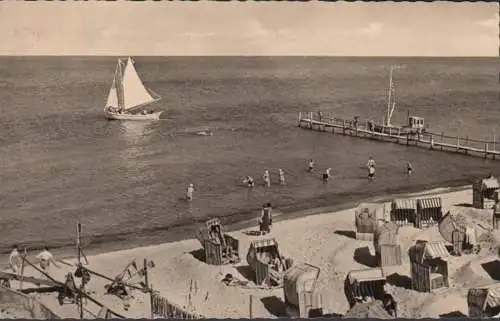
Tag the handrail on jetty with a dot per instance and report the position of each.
(365, 129)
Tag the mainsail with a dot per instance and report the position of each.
(128, 91)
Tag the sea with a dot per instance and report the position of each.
(62, 162)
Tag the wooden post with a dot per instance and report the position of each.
(79, 255)
(22, 269)
(486, 150)
(148, 287)
(250, 307)
(458, 143)
(442, 140)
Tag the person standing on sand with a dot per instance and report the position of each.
(45, 258)
(189, 192)
(409, 168)
(266, 219)
(267, 178)
(15, 260)
(310, 167)
(282, 176)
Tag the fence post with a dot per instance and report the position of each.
(486, 150)
(458, 143)
(432, 141)
(250, 306)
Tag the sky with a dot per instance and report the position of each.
(249, 28)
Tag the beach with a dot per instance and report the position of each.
(324, 240)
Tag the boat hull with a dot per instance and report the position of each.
(135, 117)
(396, 129)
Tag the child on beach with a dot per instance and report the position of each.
(267, 178)
(15, 260)
(310, 167)
(282, 176)
(189, 192)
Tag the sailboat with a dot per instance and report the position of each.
(414, 125)
(128, 97)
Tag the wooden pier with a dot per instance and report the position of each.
(353, 127)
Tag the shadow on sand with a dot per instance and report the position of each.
(454, 314)
(463, 204)
(399, 280)
(274, 305)
(199, 254)
(363, 256)
(493, 269)
(246, 272)
(346, 233)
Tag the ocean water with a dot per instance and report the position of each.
(62, 162)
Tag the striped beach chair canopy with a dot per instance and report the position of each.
(366, 275)
(428, 250)
(491, 183)
(431, 202)
(483, 298)
(270, 242)
(404, 204)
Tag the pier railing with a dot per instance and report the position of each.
(365, 129)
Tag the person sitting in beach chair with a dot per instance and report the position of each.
(310, 166)
(409, 168)
(266, 219)
(326, 175)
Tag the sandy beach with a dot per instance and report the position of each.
(324, 240)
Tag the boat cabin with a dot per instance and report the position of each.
(416, 122)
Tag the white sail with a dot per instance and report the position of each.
(112, 96)
(134, 92)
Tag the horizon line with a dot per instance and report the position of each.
(240, 55)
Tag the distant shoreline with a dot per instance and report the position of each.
(111, 243)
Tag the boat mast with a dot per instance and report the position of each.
(391, 101)
(388, 112)
(119, 85)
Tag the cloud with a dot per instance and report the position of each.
(489, 23)
(374, 28)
